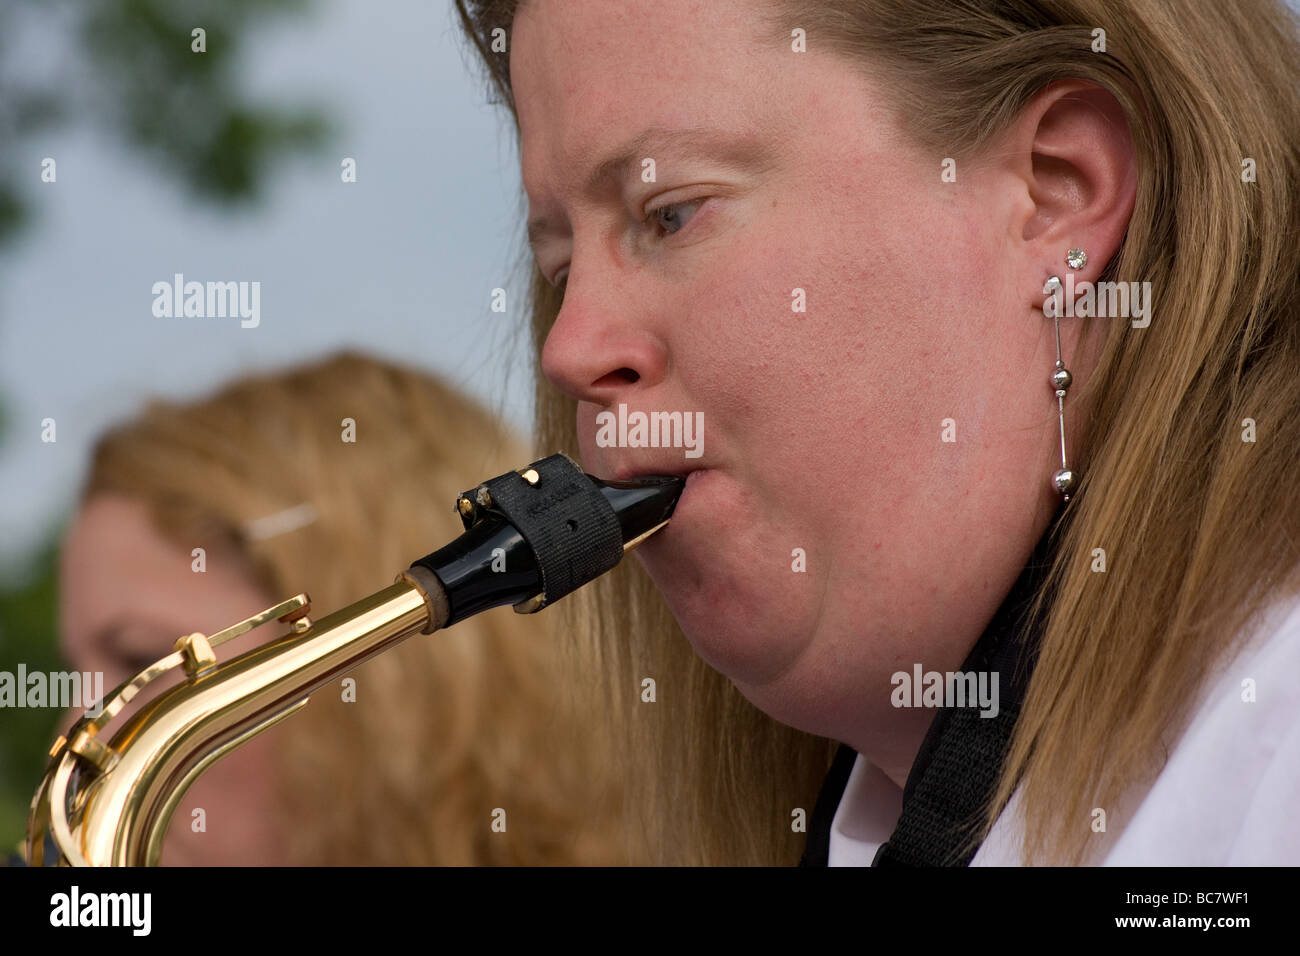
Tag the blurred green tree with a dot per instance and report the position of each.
(135, 74)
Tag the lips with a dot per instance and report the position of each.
(625, 471)
(691, 470)
(628, 471)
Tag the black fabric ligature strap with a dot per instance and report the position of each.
(568, 523)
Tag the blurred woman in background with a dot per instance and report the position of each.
(329, 479)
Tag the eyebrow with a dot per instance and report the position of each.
(736, 150)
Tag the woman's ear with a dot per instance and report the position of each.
(1073, 151)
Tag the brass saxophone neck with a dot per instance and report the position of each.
(532, 536)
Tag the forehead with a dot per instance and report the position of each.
(588, 75)
(115, 561)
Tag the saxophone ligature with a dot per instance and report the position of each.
(531, 537)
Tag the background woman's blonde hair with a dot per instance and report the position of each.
(1200, 528)
(444, 728)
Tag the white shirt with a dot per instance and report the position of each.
(1228, 794)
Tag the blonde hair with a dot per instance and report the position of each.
(1200, 527)
(445, 728)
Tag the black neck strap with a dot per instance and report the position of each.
(957, 767)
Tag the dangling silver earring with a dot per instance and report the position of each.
(1064, 480)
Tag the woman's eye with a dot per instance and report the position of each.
(134, 663)
(670, 218)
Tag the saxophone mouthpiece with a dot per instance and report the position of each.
(536, 534)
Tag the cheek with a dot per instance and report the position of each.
(238, 799)
(899, 334)
(818, 328)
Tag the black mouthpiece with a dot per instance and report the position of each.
(536, 534)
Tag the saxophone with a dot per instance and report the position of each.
(531, 537)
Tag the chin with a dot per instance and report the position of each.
(738, 627)
(728, 582)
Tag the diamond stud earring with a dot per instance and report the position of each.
(1076, 259)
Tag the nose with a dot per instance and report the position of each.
(601, 343)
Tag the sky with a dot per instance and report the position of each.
(401, 263)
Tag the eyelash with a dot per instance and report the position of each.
(135, 663)
(560, 284)
(672, 205)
